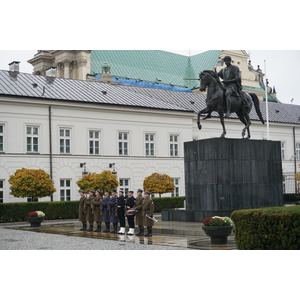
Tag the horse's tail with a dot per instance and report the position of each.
(256, 105)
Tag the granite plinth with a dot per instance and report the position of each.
(223, 175)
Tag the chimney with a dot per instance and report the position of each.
(14, 66)
(51, 72)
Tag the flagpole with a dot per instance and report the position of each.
(267, 102)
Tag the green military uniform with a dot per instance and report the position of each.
(139, 215)
(81, 214)
(88, 210)
(96, 203)
(148, 209)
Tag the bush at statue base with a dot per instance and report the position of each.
(272, 228)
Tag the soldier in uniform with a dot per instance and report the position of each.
(148, 209)
(113, 211)
(88, 210)
(121, 211)
(139, 215)
(81, 214)
(104, 209)
(95, 206)
(130, 219)
(232, 83)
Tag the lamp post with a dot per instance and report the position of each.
(267, 102)
(112, 165)
(83, 165)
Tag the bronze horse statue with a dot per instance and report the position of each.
(216, 101)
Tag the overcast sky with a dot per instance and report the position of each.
(282, 67)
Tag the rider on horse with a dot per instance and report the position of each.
(232, 83)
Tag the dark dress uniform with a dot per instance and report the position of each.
(139, 215)
(148, 209)
(81, 215)
(121, 212)
(130, 219)
(88, 210)
(105, 215)
(96, 212)
(113, 212)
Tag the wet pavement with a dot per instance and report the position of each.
(184, 235)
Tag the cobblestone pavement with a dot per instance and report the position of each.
(11, 239)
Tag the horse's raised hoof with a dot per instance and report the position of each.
(207, 117)
(199, 126)
(243, 133)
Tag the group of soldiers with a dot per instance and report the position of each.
(113, 209)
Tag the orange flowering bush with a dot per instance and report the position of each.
(158, 184)
(31, 183)
(102, 181)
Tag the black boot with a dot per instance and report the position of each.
(149, 233)
(106, 227)
(115, 228)
(83, 227)
(98, 229)
(139, 233)
(91, 228)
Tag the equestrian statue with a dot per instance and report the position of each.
(227, 97)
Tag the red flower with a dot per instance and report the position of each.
(206, 221)
(32, 214)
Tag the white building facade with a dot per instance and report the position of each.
(114, 129)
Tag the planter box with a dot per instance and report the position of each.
(218, 234)
(35, 221)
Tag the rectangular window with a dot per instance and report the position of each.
(282, 150)
(124, 185)
(173, 145)
(149, 144)
(65, 189)
(94, 142)
(1, 190)
(32, 139)
(1, 138)
(64, 141)
(176, 190)
(123, 143)
(30, 199)
(298, 151)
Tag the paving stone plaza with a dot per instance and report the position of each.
(65, 235)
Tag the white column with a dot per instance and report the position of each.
(66, 68)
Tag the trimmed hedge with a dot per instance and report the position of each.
(16, 212)
(291, 198)
(273, 228)
(167, 203)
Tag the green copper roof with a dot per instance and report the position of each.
(155, 65)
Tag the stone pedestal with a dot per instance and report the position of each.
(223, 175)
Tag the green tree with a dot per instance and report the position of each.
(31, 183)
(102, 181)
(158, 184)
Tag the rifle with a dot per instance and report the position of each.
(101, 207)
(92, 206)
(125, 207)
(116, 210)
(108, 207)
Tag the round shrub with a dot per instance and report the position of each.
(272, 228)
